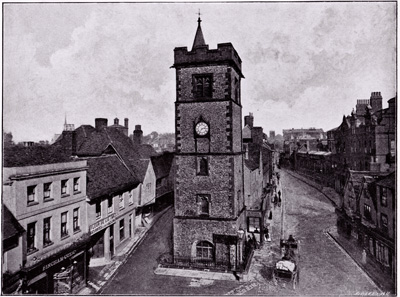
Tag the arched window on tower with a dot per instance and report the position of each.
(204, 250)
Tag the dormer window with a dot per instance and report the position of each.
(202, 85)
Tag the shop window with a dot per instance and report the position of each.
(202, 86)
(383, 193)
(121, 230)
(204, 250)
(367, 212)
(31, 192)
(203, 203)
(31, 238)
(77, 187)
(202, 166)
(64, 187)
(121, 201)
(76, 220)
(384, 222)
(46, 232)
(253, 224)
(64, 222)
(110, 204)
(98, 210)
(47, 191)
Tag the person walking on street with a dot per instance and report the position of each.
(279, 198)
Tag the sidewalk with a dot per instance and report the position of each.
(371, 268)
(100, 271)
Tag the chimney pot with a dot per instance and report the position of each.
(116, 121)
(126, 121)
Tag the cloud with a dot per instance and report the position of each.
(113, 60)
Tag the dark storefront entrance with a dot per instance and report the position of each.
(65, 272)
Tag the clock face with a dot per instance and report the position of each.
(201, 129)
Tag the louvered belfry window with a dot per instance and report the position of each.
(203, 86)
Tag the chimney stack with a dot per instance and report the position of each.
(126, 122)
(116, 121)
(376, 101)
(249, 120)
(137, 134)
(100, 123)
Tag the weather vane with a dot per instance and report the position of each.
(199, 20)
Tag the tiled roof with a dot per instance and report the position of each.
(389, 181)
(162, 164)
(10, 225)
(18, 156)
(107, 175)
(139, 167)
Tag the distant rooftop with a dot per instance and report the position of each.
(19, 156)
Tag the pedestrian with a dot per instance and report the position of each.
(270, 215)
(279, 198)
(275, 200)
(364, 257)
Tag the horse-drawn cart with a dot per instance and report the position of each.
(287, 269)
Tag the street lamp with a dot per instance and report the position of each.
(240, 234)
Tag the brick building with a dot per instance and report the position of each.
(209, 203)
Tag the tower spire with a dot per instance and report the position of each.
(199, 38)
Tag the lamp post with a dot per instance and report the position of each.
(240, 234)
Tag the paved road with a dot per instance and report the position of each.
(137, 276)
(325, 268)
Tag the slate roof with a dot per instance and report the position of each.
(107, 175)
(199, 38)
(19, 156)
(162, 164)
(10, 225)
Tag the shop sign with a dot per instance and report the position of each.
(102, 224)
(62, 258)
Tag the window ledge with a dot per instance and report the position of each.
(64, 195)
(64, 236)
(48, 199)
(33, 203)
(77, 230)
(98, 218)
(32, 251)
(48, 244)
(77, 192)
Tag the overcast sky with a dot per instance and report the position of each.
(305, 64)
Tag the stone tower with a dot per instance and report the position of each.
(209, 204)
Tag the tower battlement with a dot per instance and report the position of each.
(202, 55)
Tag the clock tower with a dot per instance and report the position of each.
(209, 204)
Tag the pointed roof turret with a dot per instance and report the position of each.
(199, 38)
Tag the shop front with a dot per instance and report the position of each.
(64, 272)
(102, 238)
